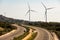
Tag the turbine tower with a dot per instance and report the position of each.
(46, 9)
(29, 11)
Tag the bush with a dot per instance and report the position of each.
(7, 27)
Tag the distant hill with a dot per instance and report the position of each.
(10, 20)
(38, 23)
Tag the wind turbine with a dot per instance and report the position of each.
(46, 9)
(29, 11)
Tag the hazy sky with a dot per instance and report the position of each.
(18, 8)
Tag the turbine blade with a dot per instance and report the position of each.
(28, 5)
(27, 12)
(43, 5)
(49, 8)
(33, 10)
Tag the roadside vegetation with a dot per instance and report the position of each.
(34, 34)
(5, 28)
(26, 32)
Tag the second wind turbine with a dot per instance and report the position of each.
(46, 9)
(29, 11)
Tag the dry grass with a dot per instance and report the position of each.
(1, 29)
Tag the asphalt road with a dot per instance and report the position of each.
(42, 34)
(13, 33)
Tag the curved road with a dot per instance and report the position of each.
(43, 34)
(13, 33)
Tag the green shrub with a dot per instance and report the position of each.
(7, 27)
(33, 36)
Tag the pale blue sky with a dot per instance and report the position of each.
(23, 1)
(18, 8)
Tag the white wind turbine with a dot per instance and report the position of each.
(29, 11)
(46, 9)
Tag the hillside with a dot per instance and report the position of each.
(51, 26)
(9, 20)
